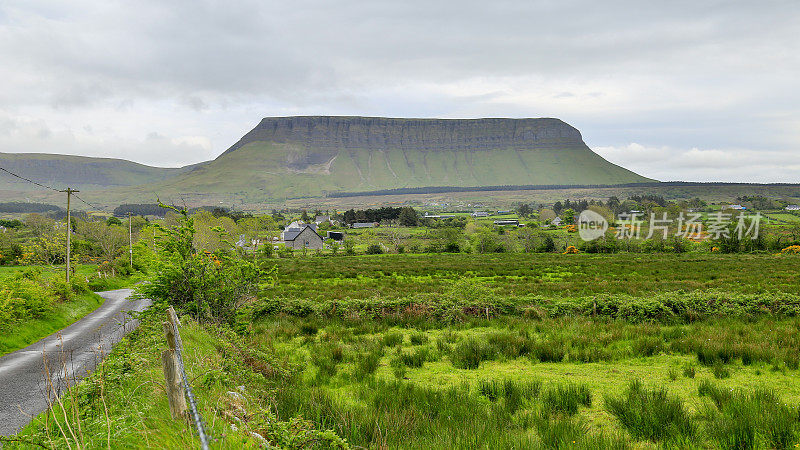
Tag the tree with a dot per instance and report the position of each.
(568, 216)
(528, 237)
(109, 239)
(408, 217)
(484, 240)
(524, 209)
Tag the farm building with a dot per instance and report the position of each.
(735, 207)
(364, 225)
(793, 208)
(480, 214)
(305, 237)
(513, 222)
(336, 235)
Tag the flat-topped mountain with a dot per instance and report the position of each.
(299, 157)
(311, 156)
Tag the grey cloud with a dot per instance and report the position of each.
(682, 74)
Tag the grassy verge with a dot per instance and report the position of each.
(123, 404)
(21, 335)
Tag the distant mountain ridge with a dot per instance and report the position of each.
(316, 156)
(81, 172)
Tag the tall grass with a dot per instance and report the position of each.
(651, 414)
(744, 420)
(469, 354)
(565, 399)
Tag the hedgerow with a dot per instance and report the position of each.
(465, 299)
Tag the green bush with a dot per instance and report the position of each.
(22, 298)
(374, 249)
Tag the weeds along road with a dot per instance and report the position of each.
(28, 385)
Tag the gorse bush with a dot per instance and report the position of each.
(651, 414)
(210, 286)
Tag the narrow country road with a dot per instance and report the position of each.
(24, 386)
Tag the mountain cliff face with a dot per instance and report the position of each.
(311, 156)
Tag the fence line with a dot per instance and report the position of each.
(174, 370)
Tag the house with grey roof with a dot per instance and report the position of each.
(302, 237)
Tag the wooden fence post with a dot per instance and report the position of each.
(172, 374)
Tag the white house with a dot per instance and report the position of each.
(793, 208)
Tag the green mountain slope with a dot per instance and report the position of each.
(79, 172)
(310, 156)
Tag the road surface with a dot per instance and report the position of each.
(71, 354)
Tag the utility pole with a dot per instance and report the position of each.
(130, 237)
(69, 192)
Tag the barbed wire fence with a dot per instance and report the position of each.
(177, 384)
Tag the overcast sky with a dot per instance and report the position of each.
(678, 90)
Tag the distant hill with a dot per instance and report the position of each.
(328, 156)
(81, 172)
(291, 157)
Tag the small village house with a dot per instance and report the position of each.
(302, 237)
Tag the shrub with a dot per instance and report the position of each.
(651, 414)
(470, 353)
(374, 249)
(689, 371)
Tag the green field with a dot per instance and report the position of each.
(479, 351)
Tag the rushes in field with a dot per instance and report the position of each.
(514, 393)
(648, 346)
(511, 345)
(367, 363)
(565, 399)
(720, 371)
(469, 354)
(651, 414)
(413, 359)
(549, 351)
(749, 420)
(393, 339)
(566, 432)
(419, 338)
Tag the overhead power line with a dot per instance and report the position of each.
(28, 180)
(47, 187)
